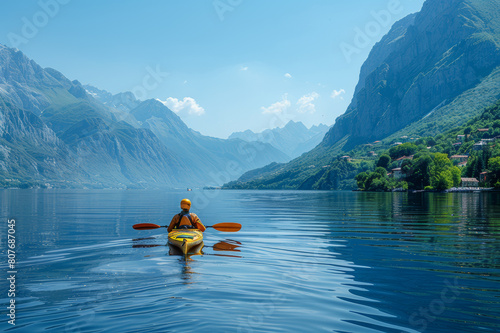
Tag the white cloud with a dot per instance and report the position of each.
(288, 75)
(278, 107)
(187, 104)
(244, 68)
(337, 93)
(305, 103)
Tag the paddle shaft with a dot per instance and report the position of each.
(225, 226)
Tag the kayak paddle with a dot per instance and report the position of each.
(225, 226)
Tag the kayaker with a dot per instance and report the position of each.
(185, 219)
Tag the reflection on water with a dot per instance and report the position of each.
(303, 262)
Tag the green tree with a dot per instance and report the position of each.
(431, 142)
(442, 181)
(380, 185)
(406, 166)
(419, 176)
(361, 179)
(456, 175)
(381, 171)
(384, 161)
(440, 175)
(405, 149)
(494, 166)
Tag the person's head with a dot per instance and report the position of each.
(185, 204)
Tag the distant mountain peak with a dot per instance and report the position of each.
(154, 108)
(296, 125)
(293, 139)
(124, 101)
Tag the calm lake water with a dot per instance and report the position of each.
(303, 262)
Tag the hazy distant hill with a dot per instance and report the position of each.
(208, 157)
(293, 139)
(432, 71)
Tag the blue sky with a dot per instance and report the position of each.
(222, 65)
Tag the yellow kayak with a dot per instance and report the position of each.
(185, 239)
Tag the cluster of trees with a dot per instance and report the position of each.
(378, 181)
(425, 171)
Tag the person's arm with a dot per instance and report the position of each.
(198, 223)
(172, 223)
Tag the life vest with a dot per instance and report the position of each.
(181, 215)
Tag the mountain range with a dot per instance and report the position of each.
(293, 139)
(57, 132)
(434, 70)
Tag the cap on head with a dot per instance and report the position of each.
(185, 204)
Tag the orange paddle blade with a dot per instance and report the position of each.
(227, 227)
(146, 226)
(223, 246)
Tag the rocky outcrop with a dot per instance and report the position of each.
(426, 59)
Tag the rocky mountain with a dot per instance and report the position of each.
(56, 131)
(293, 139)
(434, 70)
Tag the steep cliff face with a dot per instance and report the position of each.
(120, 154)
(30, 150)
(425, 61)
(19, 79)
